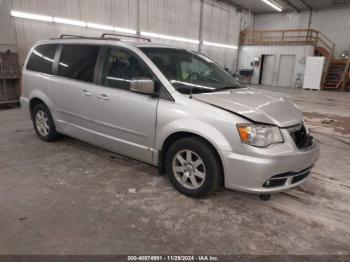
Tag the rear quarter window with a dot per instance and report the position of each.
(78, 62)
(42, 58)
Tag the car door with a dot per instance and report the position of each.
(72, 89)
(125, 120)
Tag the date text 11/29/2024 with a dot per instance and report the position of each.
(173, 258)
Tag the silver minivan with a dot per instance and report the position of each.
(169, 107)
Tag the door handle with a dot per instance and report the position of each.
(85, 93)
(103, 97)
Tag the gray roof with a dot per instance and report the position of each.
(257, 6)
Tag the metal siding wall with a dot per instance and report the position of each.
(7, 28)
(335, 24)
(221, 23)
(62, 8)
(119, 13)
(168, 17)
(224, 57)
(247, 54)
(281, 21)
(112, 12)
(247, 20)
(217, 24)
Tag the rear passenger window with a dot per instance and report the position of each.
(78, 62)
(42, 58)
(120, 67)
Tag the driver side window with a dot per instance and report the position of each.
(120, 67)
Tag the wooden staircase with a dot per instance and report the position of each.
(336, 76)
(336, 71)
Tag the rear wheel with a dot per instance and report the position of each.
(193, 167)
(43, 123)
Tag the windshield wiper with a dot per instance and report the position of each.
(228, 87)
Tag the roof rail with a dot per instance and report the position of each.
(129, 36)
(104, 36)
(84, 37)
(71, 36)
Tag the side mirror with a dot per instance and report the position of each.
(142, 85)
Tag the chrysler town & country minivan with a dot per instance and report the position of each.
(169, 107)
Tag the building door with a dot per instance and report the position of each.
(268, 65)
(286, 70)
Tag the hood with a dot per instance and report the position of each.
(257, 105)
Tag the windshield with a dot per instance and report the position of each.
(190, 72)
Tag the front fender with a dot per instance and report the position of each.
(197, 127)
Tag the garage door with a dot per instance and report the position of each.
(286, 70)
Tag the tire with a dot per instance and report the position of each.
(188, 178)
(43, 123)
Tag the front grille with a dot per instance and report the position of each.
(301, 138)
(287, 178)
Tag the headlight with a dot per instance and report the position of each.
(259, 135)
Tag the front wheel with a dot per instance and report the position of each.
(193, 167)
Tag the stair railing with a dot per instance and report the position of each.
(329, 45)
(345, 76)
(282, 37)
(327, 65)
(324, 40)
(288, 37)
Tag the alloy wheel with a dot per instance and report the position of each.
(42, 123)
(189, 169)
